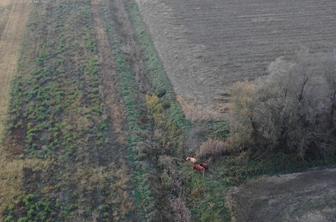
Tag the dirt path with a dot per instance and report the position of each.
(10, 44)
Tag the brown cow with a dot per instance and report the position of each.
(199, 168)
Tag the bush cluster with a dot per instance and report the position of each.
(292, 110)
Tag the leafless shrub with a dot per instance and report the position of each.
(212, 148)
(181, 212)
(292, 110)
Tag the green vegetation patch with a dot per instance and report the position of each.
(57, 112)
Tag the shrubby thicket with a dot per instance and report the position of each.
(291, 110)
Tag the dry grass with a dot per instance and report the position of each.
(213, 148)
(195, 112)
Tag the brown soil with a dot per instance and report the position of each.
(205, 46)
(299, 197)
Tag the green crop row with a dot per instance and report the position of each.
(135, 110)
